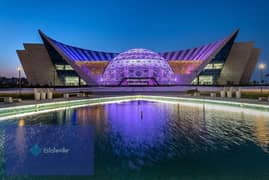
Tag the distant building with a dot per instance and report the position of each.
(12, 82)
(221, 62)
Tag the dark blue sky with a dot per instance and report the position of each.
(118, 25)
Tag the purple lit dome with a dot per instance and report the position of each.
(138, 67)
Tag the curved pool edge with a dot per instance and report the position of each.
(36, 108)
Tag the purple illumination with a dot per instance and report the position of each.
(125, 123)
(79, 54)
(138, 54)
(200, 53)
(138, 67)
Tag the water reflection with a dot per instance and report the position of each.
(140, 134)
(135, 130)
(262, 132)
(20, 143)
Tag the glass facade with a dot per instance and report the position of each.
(59, 67)
(71, 81)
(204, 80)
(63, 67)
(213, 69)
(214, 66)
(64, 71)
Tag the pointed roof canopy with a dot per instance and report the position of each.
(79, 54)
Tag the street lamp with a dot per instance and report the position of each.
(261, 67)
(197, 80)
(19, 68)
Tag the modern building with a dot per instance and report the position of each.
(222, 62)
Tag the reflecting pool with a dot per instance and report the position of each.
(149, 140)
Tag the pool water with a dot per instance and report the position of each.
(149, 140)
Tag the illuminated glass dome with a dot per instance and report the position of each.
(138, 67)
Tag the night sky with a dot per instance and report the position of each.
(118, 25)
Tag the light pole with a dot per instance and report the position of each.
(262, 66)
(54, 79)
(197, 80)
(19, 71)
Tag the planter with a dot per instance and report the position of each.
(43, 95)
(37, 96)
(222, 94)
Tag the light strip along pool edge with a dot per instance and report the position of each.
(24, 110)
